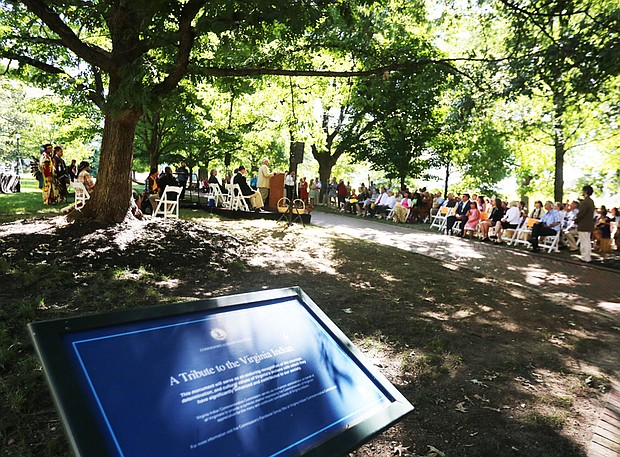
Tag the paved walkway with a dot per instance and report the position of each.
(583, 287)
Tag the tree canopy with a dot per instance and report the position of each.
(490, 89)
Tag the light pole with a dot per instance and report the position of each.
(17, 137)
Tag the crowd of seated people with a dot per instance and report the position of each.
(488, 219)
(399, 206)
(494, 220)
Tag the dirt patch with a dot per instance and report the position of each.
(491, 370)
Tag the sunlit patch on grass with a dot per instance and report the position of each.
(168, 283)
(130, 274)
(554, 420)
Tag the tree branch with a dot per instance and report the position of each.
(522, 10)
(36, 39)
(99, 89)
(32, 62)
(413, 65)
(186, 43)
(92, 54)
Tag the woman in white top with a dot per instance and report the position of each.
(510, 221)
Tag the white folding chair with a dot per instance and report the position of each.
(551, 242)
(521, 233)
(215, 194)
(238, 200)
(81, 195)
(456, 228)
(168, 204)
(439, 219)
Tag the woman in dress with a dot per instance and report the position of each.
(85, 178)
(312, 194)
(401, 210)
(473, 218)
(303, 190)
(497, 212)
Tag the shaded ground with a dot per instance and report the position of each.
(491, 370)
(560, 276)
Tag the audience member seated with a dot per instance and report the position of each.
(510, 221)
(369, 202)
(473, 218)
(379, 201)
(350, 204)
(256, 201)
(84, 177)
(167, 179)
(437, 203)
(387, 204)
(462, 208)
(538, 210)
(213, 180)
(361, 197)
(569, 226)
(450, 201)
(150, 188)
(522, 210)
(495, 216)
(602, 231)
(548, 225)
(481, 204)
(401, 210)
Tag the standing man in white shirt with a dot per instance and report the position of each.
(264, 176)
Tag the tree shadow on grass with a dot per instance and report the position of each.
(491, 370)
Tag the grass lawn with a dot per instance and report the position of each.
(492, 369)
(26, 203)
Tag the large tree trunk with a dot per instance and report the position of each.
(560, 145)
(558, 181)
(110, 199)
(153, 146)
(326, 163)
(446, 181)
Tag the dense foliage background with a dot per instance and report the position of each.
(478, 91)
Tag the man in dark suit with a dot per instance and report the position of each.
(255, 198)
(461, 215)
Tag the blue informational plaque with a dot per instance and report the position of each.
(261, 374)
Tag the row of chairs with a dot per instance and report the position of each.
(523, 232)
(167, 205)
(519, 235)
(413, 214)
(233, 199)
